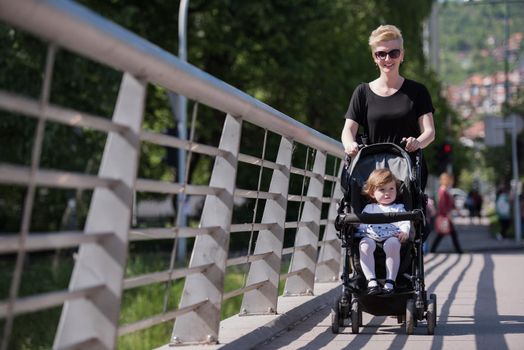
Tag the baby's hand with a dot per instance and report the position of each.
(402, 236)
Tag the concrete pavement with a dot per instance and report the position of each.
(475, 237)
(480, 305)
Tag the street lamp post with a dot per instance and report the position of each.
(179, 107)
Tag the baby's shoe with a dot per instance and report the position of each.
(389, 287)
(373, 287)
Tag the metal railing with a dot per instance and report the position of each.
(91, 304)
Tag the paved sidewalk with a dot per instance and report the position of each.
(475, 237)
(479, 307)
(475, 311)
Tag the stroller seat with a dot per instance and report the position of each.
(409, 302)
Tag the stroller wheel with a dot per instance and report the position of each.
(356, 316)
(335, 322)
(410, 316)
(431, 315)
(335, 316)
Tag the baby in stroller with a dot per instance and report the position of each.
(381, 187)
(398, 220)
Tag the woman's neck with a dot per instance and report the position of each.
(386, 85)
(392, 80)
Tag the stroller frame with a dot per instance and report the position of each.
(409, 305)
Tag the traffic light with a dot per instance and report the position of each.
(444, 155)
(447, 149)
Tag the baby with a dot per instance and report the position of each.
(382, 188)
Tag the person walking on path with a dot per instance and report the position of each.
(474, 205)
(503, 210)
(391, 108)
(444, 208)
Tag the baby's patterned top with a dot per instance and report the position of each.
(381, 232)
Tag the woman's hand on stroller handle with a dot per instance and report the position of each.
(410, 144)
(353, 149)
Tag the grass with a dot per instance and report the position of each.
(43, 273)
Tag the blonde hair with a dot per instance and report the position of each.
(385, 32)
(377, 178)
(446, 179)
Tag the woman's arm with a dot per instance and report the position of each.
(427, 128)
(427, 135)
(349, 133)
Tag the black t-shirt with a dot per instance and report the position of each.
(390, 118)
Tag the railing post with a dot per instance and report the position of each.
(306, 258)
(202, 324)
(264, 299)
(328, 266)
(92, 321)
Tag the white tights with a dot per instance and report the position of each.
(367, 260)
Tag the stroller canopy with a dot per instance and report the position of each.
(378, 156)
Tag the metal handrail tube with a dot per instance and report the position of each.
(80, 30)
(247, 259)
(47, 300)
(33, 108)
(154, 233)
(304, 172)
(326, 222)
(239, 291)
(50, 240)
(15, 174)
(331, 178)
(163, 276)
(258, 161)
(256, 194)
(171, 141)
(291, 250)
(160, 318)
(157, 186)
(297, 224)
(327, 241)
(248, 227)
(301, 198)
(292, 273)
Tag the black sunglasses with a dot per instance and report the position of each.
(395, 53)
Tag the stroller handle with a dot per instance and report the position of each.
(382, 218)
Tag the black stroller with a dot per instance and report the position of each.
(409, 302)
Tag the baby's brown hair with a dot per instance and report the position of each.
(377, 178)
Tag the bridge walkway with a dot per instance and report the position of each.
(480, 304)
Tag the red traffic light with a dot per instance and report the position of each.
(446, 148)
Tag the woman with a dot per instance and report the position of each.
(391, 108)
(444, 208)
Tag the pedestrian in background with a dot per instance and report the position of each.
(503, 211)
(445, 206)
(474, 205)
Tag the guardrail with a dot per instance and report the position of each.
(91, 305)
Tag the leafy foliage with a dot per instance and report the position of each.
(301, 57)
(472, 37)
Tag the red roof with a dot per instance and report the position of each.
(475, 131)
